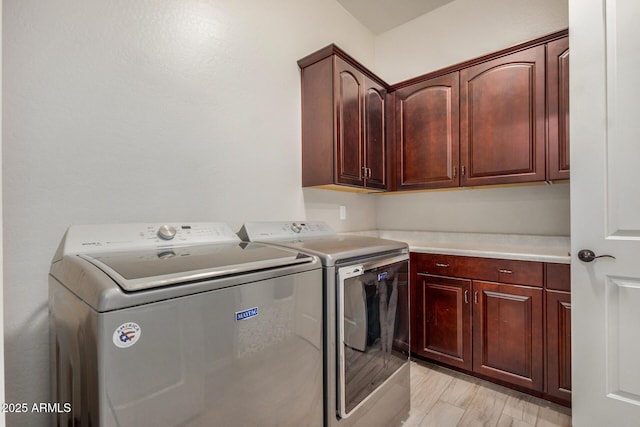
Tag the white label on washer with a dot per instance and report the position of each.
(127, 334)
(347, 272)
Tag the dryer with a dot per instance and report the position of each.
(366, 319)
(183, 325)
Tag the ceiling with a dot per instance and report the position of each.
(382, 15)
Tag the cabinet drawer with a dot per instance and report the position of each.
(559, 277)
(496, 270)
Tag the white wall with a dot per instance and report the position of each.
(453, 33)
(538, 210)
(125, 111)
(324, 205)
(2, 399)
(462, 30)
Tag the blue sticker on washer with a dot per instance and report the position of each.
(382, 276)
(246, 314)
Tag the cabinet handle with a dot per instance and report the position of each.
(466, 296)
(475, 297)
(438, 264)
(364, 173)
(462, 171)
(504, 271)
(455, 172)
(369, 173)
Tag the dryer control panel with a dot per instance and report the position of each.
(285, 230)
(110, 237)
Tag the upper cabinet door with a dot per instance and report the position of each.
(502, 126)
(349, 130)
(558, 109)
(375, 147)
(427, 115)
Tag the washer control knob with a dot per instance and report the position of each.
(296, 228)
(167, 232)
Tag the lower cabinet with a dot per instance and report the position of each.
(558, 330)
(495, 318)
(445, 332)
(507, 333)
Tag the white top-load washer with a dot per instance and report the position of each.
(366, 319)
(183, 324)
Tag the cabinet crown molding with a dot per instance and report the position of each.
(484, 58)
(331, 50)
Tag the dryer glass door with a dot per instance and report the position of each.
(373, 327)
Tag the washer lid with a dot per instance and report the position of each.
(145, 269)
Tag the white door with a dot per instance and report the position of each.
(604, 39)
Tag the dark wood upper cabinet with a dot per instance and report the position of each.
(343, 122)
(318, 119)
(427, 116)
(375, 146)
(558, 109)
(348, 99)
(501, 118)
(502, 124)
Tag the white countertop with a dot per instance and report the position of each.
(506, 246)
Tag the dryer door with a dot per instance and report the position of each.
(373, 327)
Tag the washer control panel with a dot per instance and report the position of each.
(114, 237)
(286, 230)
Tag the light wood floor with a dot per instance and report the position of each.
(444, 398)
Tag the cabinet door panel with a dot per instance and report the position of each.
(445, 332)
(502, 123)
(349, 134)
(375, 143)
(508, 342)
(558, 382)
(427, 133)
(558, 108)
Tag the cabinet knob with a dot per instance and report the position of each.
(587, 255)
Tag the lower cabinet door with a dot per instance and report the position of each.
(444, 333)
(507, 329)
(558, 382)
